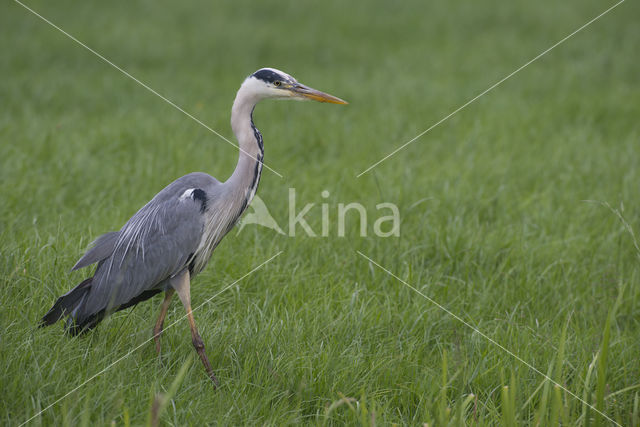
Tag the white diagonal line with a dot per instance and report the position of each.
(490, 88)
(147, 341)
(168, 101)
(491, 340)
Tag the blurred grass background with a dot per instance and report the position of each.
(495, 225)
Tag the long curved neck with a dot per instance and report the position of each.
(246, 176)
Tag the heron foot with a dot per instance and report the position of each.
(157, 329)
(181, 283)
(198, 344)
(156, 339)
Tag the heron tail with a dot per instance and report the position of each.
(80, 318)
(67, 304)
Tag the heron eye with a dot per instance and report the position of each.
(277, 83)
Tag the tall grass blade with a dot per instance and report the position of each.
(556, 406)
(635, 416)
(162, 399)
(604, 355)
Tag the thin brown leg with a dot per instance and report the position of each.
(181, 284)
(157, 330)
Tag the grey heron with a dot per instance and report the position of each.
(170, 239)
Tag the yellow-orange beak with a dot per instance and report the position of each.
(310, 93)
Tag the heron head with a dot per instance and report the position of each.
(272, 83)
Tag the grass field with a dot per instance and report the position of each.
(517, 214)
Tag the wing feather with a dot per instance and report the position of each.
(155, 244)
(101, 248)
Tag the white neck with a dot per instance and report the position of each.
(244, 180)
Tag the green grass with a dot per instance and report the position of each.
(503, 211)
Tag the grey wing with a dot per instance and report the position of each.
(101, 248)
(156, 243)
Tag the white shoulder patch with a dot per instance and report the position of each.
(188, 194)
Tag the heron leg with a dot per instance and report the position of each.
(157, 329)
(181, 283)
